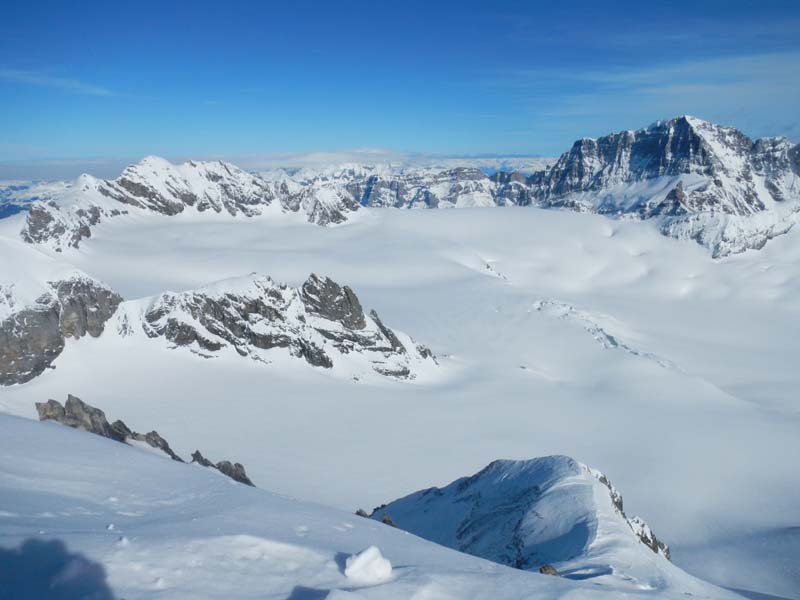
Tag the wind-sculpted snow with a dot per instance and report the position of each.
(322, 323)
(532, 513)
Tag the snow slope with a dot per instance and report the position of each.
(84, 516)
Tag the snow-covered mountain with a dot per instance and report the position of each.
(156, 186)
(529, 514)
(87, 517)
(695, 180)
(321, 323)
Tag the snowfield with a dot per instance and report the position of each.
(555, 333)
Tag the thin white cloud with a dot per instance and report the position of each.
(757, 93)
(62, 83)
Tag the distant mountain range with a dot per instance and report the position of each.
(693, 179)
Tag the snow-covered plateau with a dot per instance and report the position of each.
(349, 354)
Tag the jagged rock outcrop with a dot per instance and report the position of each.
(77, 414)
(235, 471)
(33, 335)
(544, 514)
(151, 438)
(322, 322)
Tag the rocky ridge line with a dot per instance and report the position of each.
(77, 414)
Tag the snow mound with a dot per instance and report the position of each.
(368, 567)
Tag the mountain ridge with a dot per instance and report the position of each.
(693, 179)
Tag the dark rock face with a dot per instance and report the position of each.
(317, 322)
(325, 298)
(235, 471)
(85, 306)
(30, 340)
(33, 336)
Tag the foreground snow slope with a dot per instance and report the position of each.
(556, 333)
(162, 529)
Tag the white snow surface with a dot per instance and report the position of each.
(84, 516)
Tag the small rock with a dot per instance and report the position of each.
(549, 570)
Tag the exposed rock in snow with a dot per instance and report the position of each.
(549, 570)
(77, 414)
(152, 439)
(544, 513)
(322, 322)
(235, 471)
(32, 334)
(590, 324)
(368, 567)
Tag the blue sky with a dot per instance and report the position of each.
(94, 80)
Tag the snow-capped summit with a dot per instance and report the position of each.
(532, 513)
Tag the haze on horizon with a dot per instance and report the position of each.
(260, 81)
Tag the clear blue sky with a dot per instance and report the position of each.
(123, 79)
